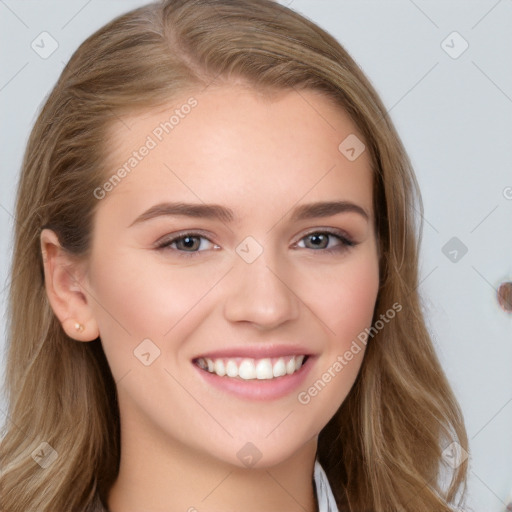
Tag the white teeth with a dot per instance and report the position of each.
(250, 369)
(202, 364)
(231, 368)
(290, 366)
(246, 370)
(264, 369)
(219, 368)
(279, 368)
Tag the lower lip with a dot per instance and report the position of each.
(256, 389)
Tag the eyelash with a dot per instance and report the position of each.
(346, 242)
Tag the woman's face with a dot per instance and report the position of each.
(239, 269)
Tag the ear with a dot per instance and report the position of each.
(66, 291)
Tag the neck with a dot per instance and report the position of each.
(165, 476)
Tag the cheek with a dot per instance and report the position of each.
(344, 302)
(344, 297)
(134, 300)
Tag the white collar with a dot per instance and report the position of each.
(326, 501)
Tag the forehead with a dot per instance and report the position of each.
(233, 143)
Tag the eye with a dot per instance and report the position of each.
(189, 244)
(328, 241)
(192, 243)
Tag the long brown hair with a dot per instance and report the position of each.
(382, 451)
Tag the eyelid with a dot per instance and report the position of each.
(172, 237)
(346, 241)
(331, 231)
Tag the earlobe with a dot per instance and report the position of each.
(66, 294)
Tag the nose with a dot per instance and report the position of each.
(261, 293)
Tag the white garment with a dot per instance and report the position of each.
(326, 502)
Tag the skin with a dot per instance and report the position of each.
(261, 156)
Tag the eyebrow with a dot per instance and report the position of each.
(218, 212)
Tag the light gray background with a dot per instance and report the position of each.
(453, 115)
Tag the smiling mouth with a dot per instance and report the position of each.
(252, 369)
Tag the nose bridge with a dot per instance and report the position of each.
(258, 291)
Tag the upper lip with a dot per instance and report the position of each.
(256, 352)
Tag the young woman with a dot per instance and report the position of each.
(214, 300)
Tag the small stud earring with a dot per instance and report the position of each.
(79, 327)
